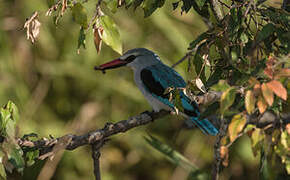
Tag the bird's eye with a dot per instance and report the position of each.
(130, 58)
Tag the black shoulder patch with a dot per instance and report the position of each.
(151, 84)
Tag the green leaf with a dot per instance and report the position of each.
(200, 3)
(198, 63)
(221, 86)
(174, 156)
(176, 100)
(2, 172)
(112, 5)
(31, 156)
(244, 38)
(111, 34)
(227, 99)
(9, 116)
(80, 15)
(282, 149)
(149, 6)
(236, 126)
(2, 169)
(16, 159)
(257, 138)
(267, 31)
(200, 38)
(82, 39)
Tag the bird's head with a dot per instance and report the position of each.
(134, 58)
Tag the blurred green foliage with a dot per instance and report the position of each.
(57, 91)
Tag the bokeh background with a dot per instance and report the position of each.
(58, 92)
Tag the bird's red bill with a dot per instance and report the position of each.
(112, 64)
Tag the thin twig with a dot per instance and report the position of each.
(217, 154)
(224, 4)
(182, 59)
(96, 158)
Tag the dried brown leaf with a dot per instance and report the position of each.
(98, 32)
(32, 26)
(271, 61)
(267, 94)
(257, 89)
(269, 72)
(253, 81)
(262, 105)
(283, 73)
(288, 128)
(224, 153)
(278, 89)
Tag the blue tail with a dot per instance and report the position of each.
(205, 125)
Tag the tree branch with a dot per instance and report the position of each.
(48, 147)
(96, 158)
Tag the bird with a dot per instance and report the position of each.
(153, 78)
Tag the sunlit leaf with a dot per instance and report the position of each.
(283, 73)
(227, 99)
(236, 126)
(261, 103)
(2, 169)
(9, 116)
(267, 94)
(278, 89)
(244, 38)
(221, 86)
(257, 138)
(80, 15)
(200, 85)
(250, 101)
(111, 34)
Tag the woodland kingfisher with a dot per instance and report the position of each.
(153, 77)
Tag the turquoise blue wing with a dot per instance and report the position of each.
(157, 78)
